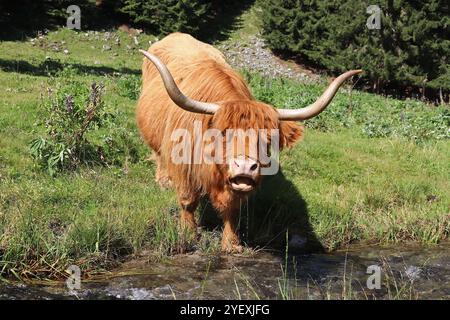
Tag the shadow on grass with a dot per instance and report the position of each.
(50, 67)
(276, 208)
(226, 21)
(24, 18)
(19, 24)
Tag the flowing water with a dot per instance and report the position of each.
(406, 272)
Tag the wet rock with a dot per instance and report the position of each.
(107, 36)
(413, 272)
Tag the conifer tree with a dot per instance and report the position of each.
(410, 48)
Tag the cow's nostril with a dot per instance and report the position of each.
(254, 167)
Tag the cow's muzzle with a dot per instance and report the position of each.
(244, 174)
(242, 183)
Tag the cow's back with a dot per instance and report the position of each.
(181, 48)
(200, 72)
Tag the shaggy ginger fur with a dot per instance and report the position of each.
(201, 73)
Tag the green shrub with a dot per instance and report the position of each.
(80, 129)
(37, 14)
(129, 86)
(166, 16)
(202, 18)
(410, 48)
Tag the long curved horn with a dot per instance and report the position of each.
(320, 104)
(175, 94)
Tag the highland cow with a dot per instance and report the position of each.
(187, 82)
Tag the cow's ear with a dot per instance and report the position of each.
(290, 133)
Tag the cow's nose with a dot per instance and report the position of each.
(244, 166)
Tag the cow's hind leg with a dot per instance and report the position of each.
(162, 176)
(189, 203)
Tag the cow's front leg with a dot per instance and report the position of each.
(228, 207)
(230, 238)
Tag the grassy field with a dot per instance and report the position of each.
(370, 169)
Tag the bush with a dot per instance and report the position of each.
(35, 14)
(166, 16)
(80, 129)
(410, 49)
(129, 86)
(157, 16)
(191, 16)
(26, 17)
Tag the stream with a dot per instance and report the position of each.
(359, 272)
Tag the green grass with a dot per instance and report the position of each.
(343, 183)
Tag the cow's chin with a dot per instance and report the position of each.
(242, 184)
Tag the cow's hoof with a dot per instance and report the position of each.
(232, 248)
(188, 225)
